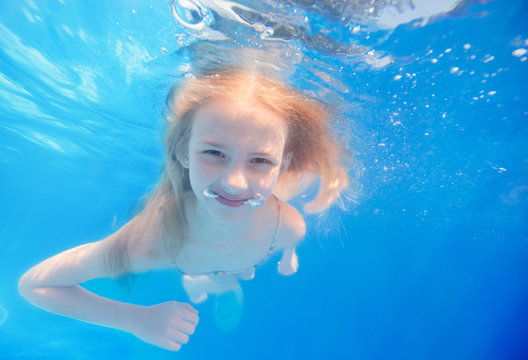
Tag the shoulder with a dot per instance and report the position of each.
(139, 242)
(293, 226)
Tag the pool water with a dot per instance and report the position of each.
(429, 262)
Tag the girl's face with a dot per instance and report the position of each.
(236, 152)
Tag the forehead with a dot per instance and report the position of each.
(239, 122)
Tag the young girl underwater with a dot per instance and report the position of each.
(237, 146)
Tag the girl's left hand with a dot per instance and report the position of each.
(288, 264)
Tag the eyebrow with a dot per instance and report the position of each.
(213, 144)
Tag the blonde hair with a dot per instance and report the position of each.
(316, 157)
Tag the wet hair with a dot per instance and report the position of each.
(316, 157)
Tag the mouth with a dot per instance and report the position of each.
(228, 202)
(233, 202)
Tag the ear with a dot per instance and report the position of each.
(285, 163)
(183, 158)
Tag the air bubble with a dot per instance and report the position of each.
(266, 33)
(191, 14)
(519, 52)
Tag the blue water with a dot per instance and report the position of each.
(432, 261)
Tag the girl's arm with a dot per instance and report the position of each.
(53, 285)
(291, 234)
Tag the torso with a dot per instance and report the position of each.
(198, 257)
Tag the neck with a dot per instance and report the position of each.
(204, 227)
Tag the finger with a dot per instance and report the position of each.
(189, 307)
(168, 344)
(185, 327)
(178, 336)
(190, 317)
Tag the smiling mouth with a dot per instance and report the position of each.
(258, 200)
(228, 202)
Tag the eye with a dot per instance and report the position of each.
(261, 161)
(214, 153)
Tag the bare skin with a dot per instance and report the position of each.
(246, 158)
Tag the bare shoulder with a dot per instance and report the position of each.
(142, 240)
(293, 227)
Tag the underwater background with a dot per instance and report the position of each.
(429, 262)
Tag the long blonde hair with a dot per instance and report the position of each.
(316, 156)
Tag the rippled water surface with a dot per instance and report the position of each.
(431, 262)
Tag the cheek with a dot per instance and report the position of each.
(268, 180)
(201, 170)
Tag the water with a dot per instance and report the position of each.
(430, 264)
(3, 315)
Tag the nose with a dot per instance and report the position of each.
(234, 181)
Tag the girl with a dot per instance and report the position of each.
(237, 146)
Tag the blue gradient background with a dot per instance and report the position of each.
(430, 264)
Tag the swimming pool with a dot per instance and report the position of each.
(431, 263)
